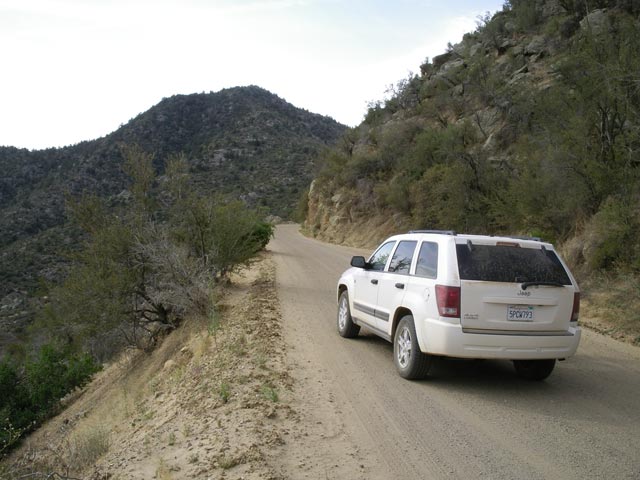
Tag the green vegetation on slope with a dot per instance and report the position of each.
(530, 125)
(30, 391)
(532, 130)
(145, 266)
(149, 262)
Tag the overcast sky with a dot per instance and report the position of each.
(75, 70)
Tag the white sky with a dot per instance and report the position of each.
(74, 70)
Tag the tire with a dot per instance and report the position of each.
(346, 327)
(410, 362)
(534, 369)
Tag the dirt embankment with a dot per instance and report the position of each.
(211, 402)
(344, 219)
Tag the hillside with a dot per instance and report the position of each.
(214, 398)
(243, 142)
(530, 125)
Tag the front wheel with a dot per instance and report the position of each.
(534, 369)
(346, 327)
(410, 362)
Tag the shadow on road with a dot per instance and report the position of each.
(469, 374)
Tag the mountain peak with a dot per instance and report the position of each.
(244, 142)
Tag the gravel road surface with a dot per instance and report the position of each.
(469, 419)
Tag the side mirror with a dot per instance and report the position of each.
(358, 262)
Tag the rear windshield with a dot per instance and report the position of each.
(497, 263)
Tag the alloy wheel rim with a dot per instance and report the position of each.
(404, 347)
(342, 316)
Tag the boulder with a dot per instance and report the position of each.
(510, 26)
(597, 22)
(458, 49)
(551, 8)
(476, 49)
(452, 65)
(440, 60)
(536, 46)
(506, 45)
(517, 50)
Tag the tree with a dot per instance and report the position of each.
(222, 234)
(149, 264)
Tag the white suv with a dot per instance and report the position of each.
(470, 296)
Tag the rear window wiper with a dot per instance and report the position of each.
(525, 285)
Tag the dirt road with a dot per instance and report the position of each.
(470, 419)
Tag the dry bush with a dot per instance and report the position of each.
(87, 446)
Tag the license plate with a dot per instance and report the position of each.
(520, 313)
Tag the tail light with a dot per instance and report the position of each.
(448, 299)
(575, 312)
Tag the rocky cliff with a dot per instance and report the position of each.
(530, 125)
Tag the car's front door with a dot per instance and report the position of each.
(367, 284)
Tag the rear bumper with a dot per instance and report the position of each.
(440, 337)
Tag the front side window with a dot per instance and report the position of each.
(379, 259)
(402, 257)
(427, 265)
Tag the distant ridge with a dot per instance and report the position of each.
(244, 142)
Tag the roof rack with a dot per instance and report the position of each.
(534, 239)
(441, 232)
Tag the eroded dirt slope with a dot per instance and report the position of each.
(211, 402)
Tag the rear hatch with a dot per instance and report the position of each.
(513, 286)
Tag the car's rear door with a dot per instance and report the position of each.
(393, 283)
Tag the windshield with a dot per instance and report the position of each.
(497, 263)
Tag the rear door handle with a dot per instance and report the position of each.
(400, 285)
(374, 281)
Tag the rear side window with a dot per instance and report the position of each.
(379, 259)
(427, 265)
(497, 263)
(402, 257)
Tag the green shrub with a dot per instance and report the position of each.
(30, 394)
(527, 14)
(261, 235)
(302, 209)
(396, 194)
(614, 231)
(8, 383)
(442, 198)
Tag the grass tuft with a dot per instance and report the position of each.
(269, 393)
(224, 392)
(89, 445)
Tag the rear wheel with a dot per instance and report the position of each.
(534, 369)
(410, 362)
(346, 327)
